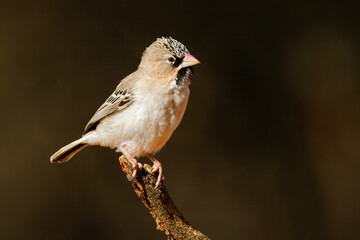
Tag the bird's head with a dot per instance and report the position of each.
(168, 58)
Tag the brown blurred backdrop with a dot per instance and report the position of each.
(269, 147)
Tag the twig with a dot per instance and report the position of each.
(161, 207)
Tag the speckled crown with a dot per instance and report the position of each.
(175, 47)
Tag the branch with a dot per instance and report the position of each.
(161, 207)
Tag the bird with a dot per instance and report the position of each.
(144, 110)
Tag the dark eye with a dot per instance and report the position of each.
(171, 59)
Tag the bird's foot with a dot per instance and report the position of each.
(135, 167)
(157, 167)
(135, 164)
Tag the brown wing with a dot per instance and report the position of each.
(119, 99)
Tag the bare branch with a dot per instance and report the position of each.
(161, 207)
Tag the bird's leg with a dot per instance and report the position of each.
(135, 164)
(156, 168)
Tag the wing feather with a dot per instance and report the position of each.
(118, 100)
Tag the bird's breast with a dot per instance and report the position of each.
(165, 110)
(161, 114)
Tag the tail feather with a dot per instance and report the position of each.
(67, 152)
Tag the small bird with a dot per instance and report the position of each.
(146, 107)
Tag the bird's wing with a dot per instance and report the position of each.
(118, 100)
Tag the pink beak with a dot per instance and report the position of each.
(189, 60)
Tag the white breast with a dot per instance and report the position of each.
(146, 125)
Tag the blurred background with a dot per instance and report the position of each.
(269, 146)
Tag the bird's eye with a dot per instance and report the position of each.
(171, 59)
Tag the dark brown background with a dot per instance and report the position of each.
(269, 147)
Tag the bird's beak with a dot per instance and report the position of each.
(189, 60)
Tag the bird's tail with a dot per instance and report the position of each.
(67, 152)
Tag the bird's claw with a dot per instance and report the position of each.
(158, 168)
(134, 173)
